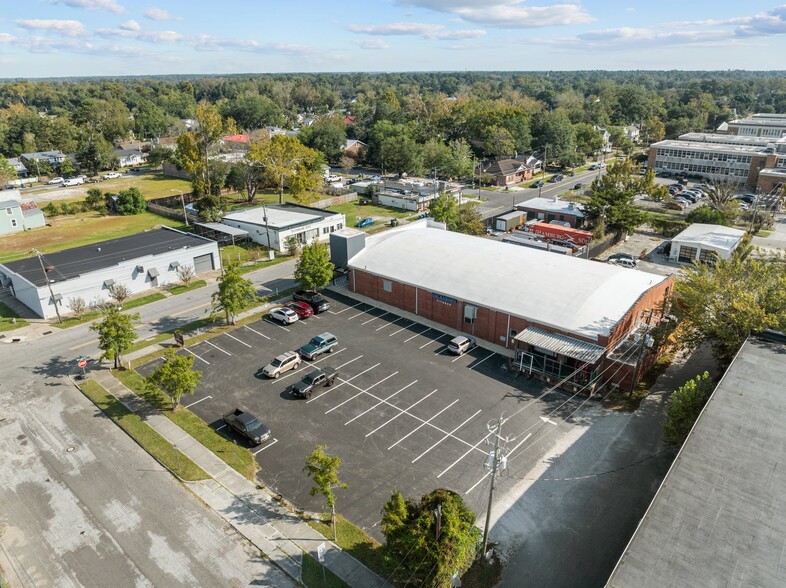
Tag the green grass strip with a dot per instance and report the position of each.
(315, 576)
(143, 433)
(181, 289)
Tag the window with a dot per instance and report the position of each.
(339, 226)
(9, 211)
(470, 314)
(387, 285)
(513, 333)
(13, 222)
(325, 230)
(687, 253)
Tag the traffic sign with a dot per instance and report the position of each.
(82, 363)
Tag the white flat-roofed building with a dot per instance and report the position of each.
(759, 125)
(763, 142)
(273, 225)
(549, 209)
(702, 242)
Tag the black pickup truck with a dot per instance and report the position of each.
(314, 299)
(316, 379)
(247, 425)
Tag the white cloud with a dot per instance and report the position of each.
(372, 44)
(110, 5)
(69, 28)
(131, 25)
(509, 14)
(772, 22)
(426, 31)
(158, 14)
(6, 38)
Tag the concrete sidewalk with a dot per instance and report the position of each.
(279, 534)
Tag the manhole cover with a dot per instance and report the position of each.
(70, 449)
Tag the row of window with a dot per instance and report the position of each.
(684, 154)
(702, 169)
(759, 132)
(327, 230)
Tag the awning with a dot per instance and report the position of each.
(562, 344)
(152, 272)
(140, 268)
(57, 297)
(108, 283)
(174, 265)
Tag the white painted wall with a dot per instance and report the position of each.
(320, 229)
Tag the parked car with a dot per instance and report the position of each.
(301, 309)
(316, 379)
(333, 179)
(56, 181)
(556, 178)
(623, 262)
(283, 315)
(315, 300)
(578, 186)
(247, 425)
(366, 222)
(618, 256)
(74, 182)
(748, 199)
(674, 205)
(538, 184)
(289, 360)
(112, 176)
(324, 343)
(461, 344)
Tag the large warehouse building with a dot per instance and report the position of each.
(141, 262)
(560, 317)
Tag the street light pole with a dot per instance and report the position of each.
(182, 203)
(49, 284)
(494, 466)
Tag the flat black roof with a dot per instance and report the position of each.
(75, 262)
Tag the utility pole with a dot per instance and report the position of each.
(267, 229)
(49, 284)
(543, 170)
(497, 462)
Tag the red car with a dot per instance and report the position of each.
(301, 309)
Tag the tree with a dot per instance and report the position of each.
(588, 139)
(95, 153)
(498, 141)
(612, 197)
(446, 543)
(292, 246)
(186, 274)
(327, 135)
(653, 130)
(176, 376)
(234, 293)
(158, 155)
(555, 131)
(469, 221)
(724, 302)
(150, 120)
(115, 334)
(131, 201)
(77, 305)
(282, 157)
(95, 200)
(461, 219)
(684, 408)
(323, 469)
(720, 197)
(7, 172)
(347, 162)
(67, 168)
(119, 293)
(313, 269)
(708, 215)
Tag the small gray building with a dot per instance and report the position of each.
(16, 215)
(141, 262)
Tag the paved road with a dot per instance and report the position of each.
(83, 505)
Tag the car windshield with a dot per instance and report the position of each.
(276, 362)
(316, 341)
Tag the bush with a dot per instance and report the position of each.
(666, 227)
(707, 215)
(51, 209)
(131, 201)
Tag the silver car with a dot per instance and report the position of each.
(461, 344)
(288, 360)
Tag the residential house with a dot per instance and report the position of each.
(165, 142)
(606, 148)
(353, 147)
(130, 157)
(19, 167)
(632, 132)
(506, 172)
(16, 215)
(238, 141)
(55, 158)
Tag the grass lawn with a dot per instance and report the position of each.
(9, 320)
(72, 231)
(764, 233)
(315, 576)
(142, 300)
(235, 456)
(181, 289)
(352, 210)
(94, 314)
(142, 433)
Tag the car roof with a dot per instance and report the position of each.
(285, 355)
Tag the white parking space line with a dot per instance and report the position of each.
(402, 329)
(346, 309)
(307, 365)
(413, 336)
(379, 403)
(434, 340)
(361, 313)
(197, 402)
(475, 485)
(342, 382)
(238, 340)
(474, 365)
(423, 424)
(275, 324)
(361, 391)
(195, 355)
(465, 454)
(257, 332)
(375, 318)
(266, 446)
(411, 406)
(390, 323)
(457, 358)
(446, 436)
(217, 347)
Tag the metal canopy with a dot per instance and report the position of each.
(562, 344)
(108, 283)
(152, 272)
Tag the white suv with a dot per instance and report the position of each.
(288, 360)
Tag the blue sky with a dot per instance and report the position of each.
(43, 38)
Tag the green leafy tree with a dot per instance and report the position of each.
(158, 155)
(327, 135)
(131, 201)
(67, 168)
(282, 158)
(95, 200)
(150, 120)
(723, 303)
(684, 408)
(7, 172)
(707, 214)
(653, 130)
(253, 111)
(498, 141)
(234, 294)
(439, 528)
(720, 197)
(555, 131)
(469, 221)
(461, 219)
(612, 197)
(588, 139)
(175, 377)
(115, 334)
(313, 269)
(95, 153)
(460, 161)
(323, 469)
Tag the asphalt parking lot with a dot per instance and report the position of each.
(403, 414)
